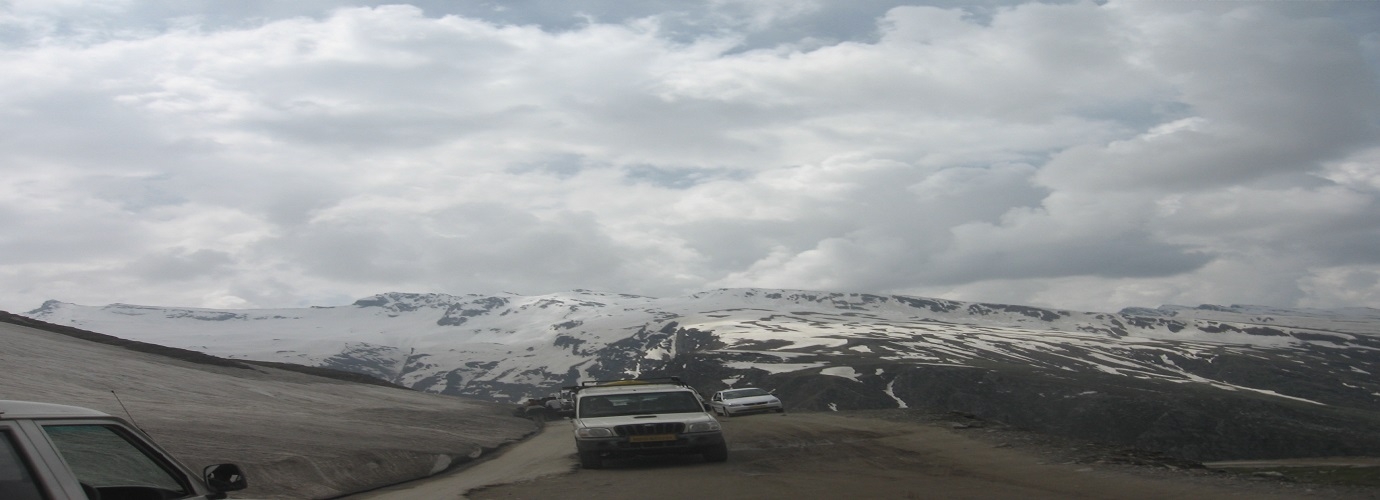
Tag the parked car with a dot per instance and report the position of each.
(58, 452)
(730, 402)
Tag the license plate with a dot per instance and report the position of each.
(652, 438)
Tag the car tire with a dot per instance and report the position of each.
(716, 453)
(591, 460)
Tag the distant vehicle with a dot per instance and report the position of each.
(58, 452)
(554, 407)
(633, 417)
(730, 402)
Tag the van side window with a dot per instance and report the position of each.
(16, 477)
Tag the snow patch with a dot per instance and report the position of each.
(860, 348)
(833, 407)
(772, 368)
(841, 371)
(892, 393)
(442, 463)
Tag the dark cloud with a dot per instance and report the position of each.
(1073, 154)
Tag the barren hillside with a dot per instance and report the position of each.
(297, 435)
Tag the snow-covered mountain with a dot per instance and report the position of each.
(826, 350)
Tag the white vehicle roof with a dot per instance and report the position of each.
(622, 389)
(27, 409)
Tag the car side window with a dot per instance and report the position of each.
(104, 457)
(16, 476)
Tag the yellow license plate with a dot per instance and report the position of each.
(652, 438)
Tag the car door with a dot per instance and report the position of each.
(42, 465)
(20, 479)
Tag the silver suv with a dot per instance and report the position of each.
(643, 417)
(57, 452)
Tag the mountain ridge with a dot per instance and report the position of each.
(1031, 366)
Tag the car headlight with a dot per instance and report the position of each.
(593, 432)
(712, 425)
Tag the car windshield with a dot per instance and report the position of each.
(642, 403)
(745, 393)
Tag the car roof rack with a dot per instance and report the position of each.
(588, 384)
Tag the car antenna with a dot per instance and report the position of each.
(127, 413)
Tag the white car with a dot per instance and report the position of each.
(730, 402)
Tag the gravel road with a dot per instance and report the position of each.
(827, 455)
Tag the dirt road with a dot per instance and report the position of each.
(825, 455)
(548, 453)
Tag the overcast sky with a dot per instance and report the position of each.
(1079, 155)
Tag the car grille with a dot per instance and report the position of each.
(650, 428)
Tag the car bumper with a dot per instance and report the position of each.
(623, 446)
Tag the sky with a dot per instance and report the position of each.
(1079, 155)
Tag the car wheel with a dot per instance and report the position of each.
(716, 453)
(781, 410)
(591, 460)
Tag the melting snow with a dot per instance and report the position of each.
(773, 367)
(892, 393)
(841, 371)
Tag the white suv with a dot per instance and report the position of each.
(643, 417)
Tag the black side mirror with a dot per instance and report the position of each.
(225, 477)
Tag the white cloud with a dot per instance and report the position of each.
(1075, 155)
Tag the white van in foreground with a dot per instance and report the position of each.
(57, 452)
(643, 417)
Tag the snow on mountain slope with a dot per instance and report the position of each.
(1203, 383)
(509, 346)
